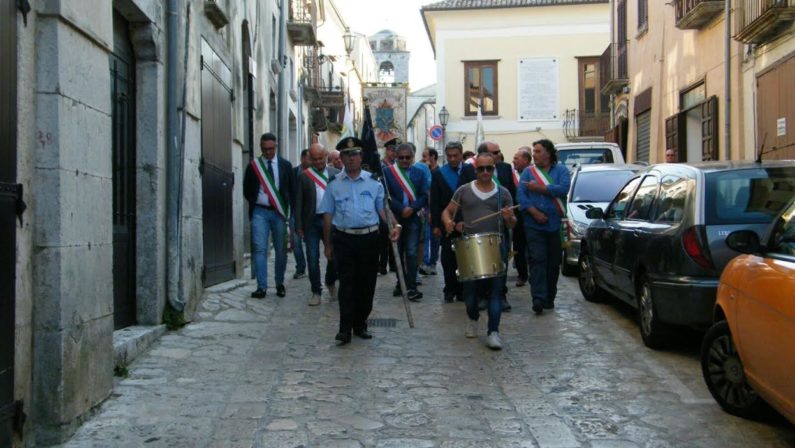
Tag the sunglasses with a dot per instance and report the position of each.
(405, 157)
(485, 168)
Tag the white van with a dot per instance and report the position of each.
(586, 153)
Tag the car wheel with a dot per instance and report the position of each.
(652, 330)
(725, 377)
(567, 269)
(590, 290)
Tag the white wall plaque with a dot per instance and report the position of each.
(781, 127)
(539, 92)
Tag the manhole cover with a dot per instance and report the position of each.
(382, 323)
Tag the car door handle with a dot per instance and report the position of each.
(638, 232)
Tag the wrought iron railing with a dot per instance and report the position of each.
(757, 19)
(613, 67)
(579, 123)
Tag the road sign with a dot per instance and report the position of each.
(436, 132)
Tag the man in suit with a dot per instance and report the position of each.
(521, 160)
(312, 184)
(268, 187)
(385, 256)
(443, 184)
(408, 195)
(504, 177)
(295, 239)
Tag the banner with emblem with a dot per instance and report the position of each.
(387, 106)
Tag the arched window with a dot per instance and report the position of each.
(386, 72)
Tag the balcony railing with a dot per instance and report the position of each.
(302, 22)
(579, 123)
(694, 14)
(613, 68)
(758, 21)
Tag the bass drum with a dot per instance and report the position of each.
(479, 256)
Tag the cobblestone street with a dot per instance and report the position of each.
(267, 373)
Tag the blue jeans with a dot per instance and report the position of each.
(312, 240)
(298, 249)
(431, 247)
(489, 288)
(543, 259)
(264, 222)
(409, 240)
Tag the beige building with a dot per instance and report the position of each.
(531, 66)
(668, 67)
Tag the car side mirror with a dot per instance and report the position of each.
(744, 241)
(595, 213)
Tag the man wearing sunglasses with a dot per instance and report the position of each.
(476, 200)
(408, 195)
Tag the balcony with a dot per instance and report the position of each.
(694, 14)
(613, 68)
(313, 80)
(579, 124)
(302, 23)
(758, 21)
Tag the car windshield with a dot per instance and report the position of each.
(585, 156)
(598, 186)
(748, 196)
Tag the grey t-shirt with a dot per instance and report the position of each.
(473, 204)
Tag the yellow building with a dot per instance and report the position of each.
(532, 66)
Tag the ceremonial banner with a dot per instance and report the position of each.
(387, 106)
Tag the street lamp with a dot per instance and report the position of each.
(347, 38)
(444, 116)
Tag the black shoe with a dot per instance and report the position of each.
(549, 306)
(538, 308)
(414, 295)
(343, 338)
(397, 292)
(521, 281)
(259, 294)
(382, 270)
(298, 275)
(364, 334)
(424, 271)
(449, 297)
(506, 307)
(280, 291)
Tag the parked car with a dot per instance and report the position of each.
(661, 243)
(748, 356)
(591, 186)
(587, 153)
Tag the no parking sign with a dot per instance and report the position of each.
(436, 132)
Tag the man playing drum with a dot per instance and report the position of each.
(478, 199)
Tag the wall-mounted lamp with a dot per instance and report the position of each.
(347, 39)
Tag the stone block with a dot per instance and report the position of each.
(130, 342)
(83, 14)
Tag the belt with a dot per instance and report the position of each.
(359, 231)
(266, 207)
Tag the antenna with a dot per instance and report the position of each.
(761, 149)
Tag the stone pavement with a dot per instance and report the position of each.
(267, 374)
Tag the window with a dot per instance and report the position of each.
(644, 199)
(598, 186)
(481, 87)
(386, 72)
(619, 205)
(747, 196)
(673, 195)
(782, 238)
(643, 15)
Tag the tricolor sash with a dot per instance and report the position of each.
(542, 177)
(404, 181)
(450, 176)
(269, 186)
(515, 178)
(317, 177)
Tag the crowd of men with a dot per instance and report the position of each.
(330, 198)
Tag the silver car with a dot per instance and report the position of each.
(591, 186)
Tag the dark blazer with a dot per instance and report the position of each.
(504, 175)
(396, 193)
(286, 184)
(441, 194)
(306, 199)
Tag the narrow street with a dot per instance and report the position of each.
(267, 373)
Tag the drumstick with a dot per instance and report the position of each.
(490, 215)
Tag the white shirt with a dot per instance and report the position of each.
(319, 192)
(262, 197)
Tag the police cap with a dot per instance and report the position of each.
(349, 144)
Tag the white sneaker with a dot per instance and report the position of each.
(315, 300)
(472, 329)
(493, 341)
(332, 292)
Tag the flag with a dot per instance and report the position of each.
(479, 134)
(347, 122)
(370, 155)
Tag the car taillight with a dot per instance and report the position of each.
(694, 247)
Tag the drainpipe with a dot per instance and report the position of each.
(727, 117)
(281, 110)
(173, 161)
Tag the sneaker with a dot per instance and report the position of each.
(314, 300)
(493, 341)
(332, 292)
(414, 295)
(472, 329)
(425, 270)
(432, 270)
(300, 274)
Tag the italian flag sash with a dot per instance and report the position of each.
(317, 177)
(515, 178)
(543, 178)
(269, 186)
(405, 183)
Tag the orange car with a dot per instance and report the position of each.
(748, 356)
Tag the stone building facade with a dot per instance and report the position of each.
(391, 57)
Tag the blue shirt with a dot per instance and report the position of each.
(559, 187)
(426, 171)
(353, 203)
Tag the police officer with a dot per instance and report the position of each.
(352, 206)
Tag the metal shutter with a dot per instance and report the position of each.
(643, 136)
